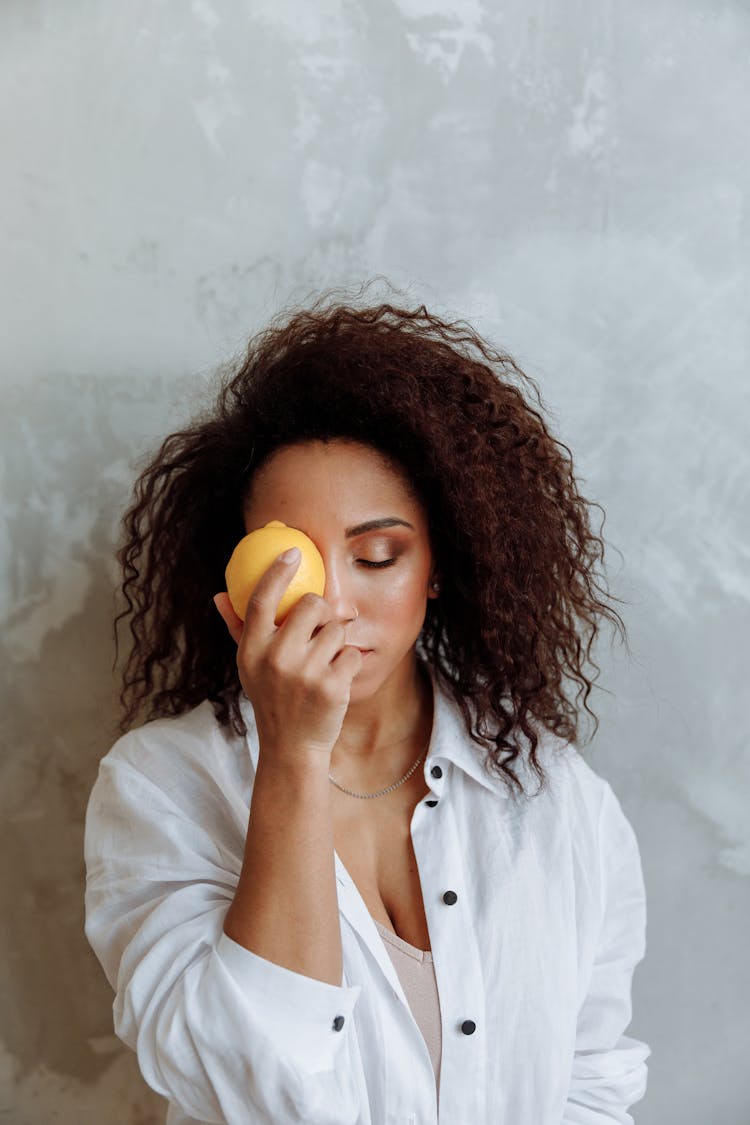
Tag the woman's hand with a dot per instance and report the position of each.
(297, 675)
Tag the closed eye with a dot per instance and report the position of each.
(369, 562)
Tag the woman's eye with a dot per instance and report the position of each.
(369, 562)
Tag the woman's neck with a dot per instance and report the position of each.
(382, 734)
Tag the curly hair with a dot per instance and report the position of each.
(522, 593)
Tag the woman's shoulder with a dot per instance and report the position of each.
(592, 805)
(568, 779)
(171, 799)
(174, 748)
(194, 724)
(568, 775)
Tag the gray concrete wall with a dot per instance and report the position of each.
(573, 178)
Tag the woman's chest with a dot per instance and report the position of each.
(376, 848)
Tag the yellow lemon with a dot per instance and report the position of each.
(254, 554)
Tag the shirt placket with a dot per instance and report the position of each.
(410, 1098)
(455, 953)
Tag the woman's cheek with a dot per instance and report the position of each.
(403, 592)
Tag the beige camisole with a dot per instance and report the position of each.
(416, 971)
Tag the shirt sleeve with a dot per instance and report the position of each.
(609, 1070)
(224, 1034)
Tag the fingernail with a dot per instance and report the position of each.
(291, 556)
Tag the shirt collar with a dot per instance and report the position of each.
(450, 741)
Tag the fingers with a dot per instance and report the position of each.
(263, 605)
(298, 675)
(309, 628)
(348, 661)
(328, 643)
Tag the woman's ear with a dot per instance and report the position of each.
(434, 588)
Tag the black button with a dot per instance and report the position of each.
(468, 1027)
(436, 771)
(338, 1023)
(450, 897)
(431, 804)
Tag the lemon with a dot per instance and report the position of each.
(254, 554)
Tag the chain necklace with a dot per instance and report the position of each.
(382, 792)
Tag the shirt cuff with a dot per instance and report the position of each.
(309, 1016)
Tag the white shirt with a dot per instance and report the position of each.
(533, 960)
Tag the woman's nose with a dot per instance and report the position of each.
(338, 595)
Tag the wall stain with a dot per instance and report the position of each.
(58, 718)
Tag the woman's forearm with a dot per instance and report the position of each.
(285, 908)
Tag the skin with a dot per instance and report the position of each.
(324, 488)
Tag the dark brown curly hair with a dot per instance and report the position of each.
(522, 595)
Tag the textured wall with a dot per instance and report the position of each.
(574, 178)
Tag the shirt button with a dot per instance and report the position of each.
(468, 1027)
(436, 771)
(450, 897)
(431, 804)
(338, 1023)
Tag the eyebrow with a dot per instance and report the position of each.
(376, 525)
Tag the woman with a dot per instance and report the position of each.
(319, 878)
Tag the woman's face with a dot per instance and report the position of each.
(377, 578)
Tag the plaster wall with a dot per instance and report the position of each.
(574, 179)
